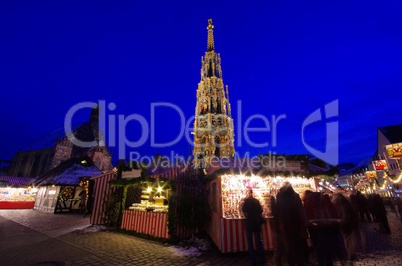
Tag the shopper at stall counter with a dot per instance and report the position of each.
(252, 209)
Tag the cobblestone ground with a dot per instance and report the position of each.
(382, 249)
(29, 237)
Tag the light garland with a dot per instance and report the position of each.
(395, 181)
(383, 186)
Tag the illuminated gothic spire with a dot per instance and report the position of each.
(213, 125)
(210, 28)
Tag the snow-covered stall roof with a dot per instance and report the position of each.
(69, 172)
(14, 181)
(243, 164)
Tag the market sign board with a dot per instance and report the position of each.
(134, 173)
(371, 174)
(394, 150)
(380, 165)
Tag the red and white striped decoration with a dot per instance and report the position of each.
(184, 232)
(234, 235)
(154, 224)
(151, 223)
(101, 188)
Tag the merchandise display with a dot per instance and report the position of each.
(150, 202)
(234, 190)
(17, 194)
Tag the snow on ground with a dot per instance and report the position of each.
(192, 247)
(186, 252)
(90, 229)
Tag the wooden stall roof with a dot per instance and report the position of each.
(221, 166)
(69, 172)
(15, 181)
(255, 166)
(168, 172)
(234, 164)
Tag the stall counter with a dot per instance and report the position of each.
(233, 235)
(151, 223)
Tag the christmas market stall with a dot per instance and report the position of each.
(101, 192)
(146, 204)
(16, 193)
(226, 194)
(66, 188)
(155, 201)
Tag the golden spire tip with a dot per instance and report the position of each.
(210, 25)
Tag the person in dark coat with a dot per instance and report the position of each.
(381, 214)
(398, 203)
(363, 207)
(252, 209)
(349, 223)
(279, 245)
(324, 228)
(293, 223)
(371, 207)
(83, 201)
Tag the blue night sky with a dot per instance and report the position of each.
(279, 58)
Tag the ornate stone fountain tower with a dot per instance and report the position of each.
(213, 125)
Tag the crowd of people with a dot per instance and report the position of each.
(332, 224)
